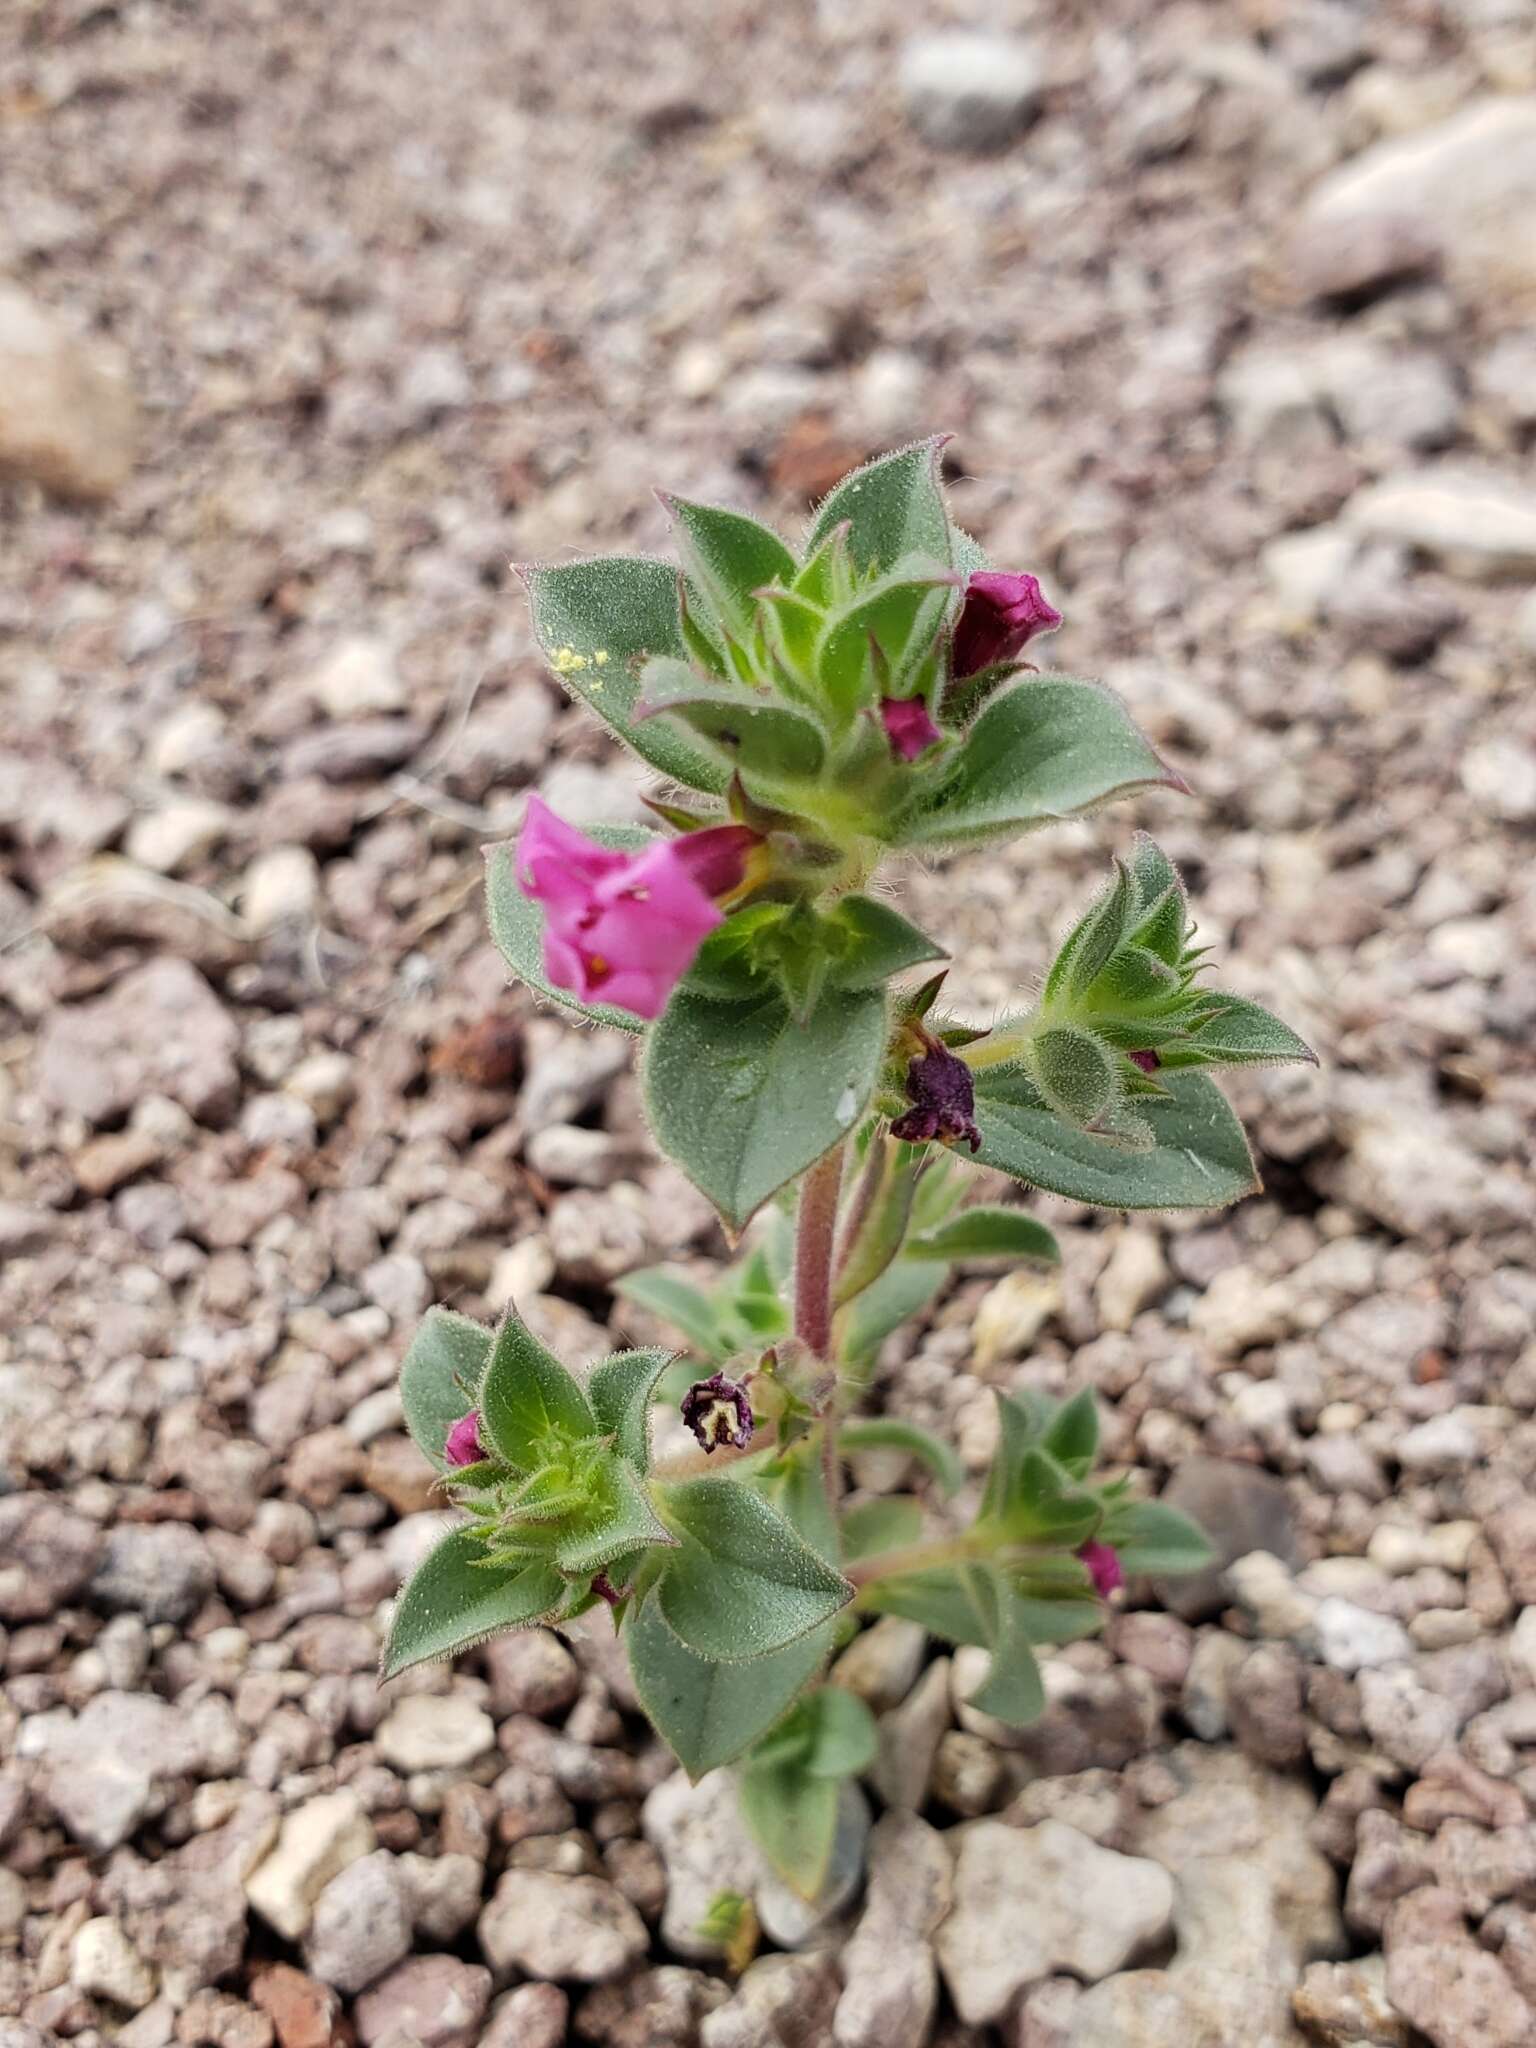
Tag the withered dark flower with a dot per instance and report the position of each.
(718, 1411)
(943, 1098)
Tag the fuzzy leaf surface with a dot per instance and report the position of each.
(893, 506)
(597, 621)
(529, 1401)
(741, 1583)
(744, 1098)
(1199, 1157)
(453, 1600)
(1049, 747)
(440, 1378)
(710, 1713)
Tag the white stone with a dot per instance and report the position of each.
(1265, 1589)
(177, 835)
(1474, 521)
(1012, 1314)
(1500, 774)
(965, 89)
(280, 887)
(1029, 1901)
(1445, 1443)
(707, 1850)
(68, 420)
(315, 1843)
(103, 1963)
(1306, 569)
(1351, 1638)
(1135, 1274)
(889, 1976)
(184, 738)
(361, 1924)
(1468, 184)
(422, 1733)
(1239, 1311)
(549, 1925)
(1522, 1642)
(357, 679)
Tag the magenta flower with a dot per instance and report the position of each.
(464, 1446)
(1000, 616)
(718, 1411)
(908, 726)
(943, 1099)
(623, 928)
(1104, 1568)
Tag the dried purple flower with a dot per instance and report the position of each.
(464, 1446)
(943, 1098)
(718, 1411)
(1104, 1568)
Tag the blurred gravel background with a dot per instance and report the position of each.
(311, 319)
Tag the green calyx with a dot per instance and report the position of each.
(1124, 1013)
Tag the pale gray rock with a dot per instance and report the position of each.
(361, 1924)
(159, 1031)
(68, 419)
(575, 1929)
(1018, 1912)
(968, 90)
(890, 1977)
(318, 1840)
(707, 1850)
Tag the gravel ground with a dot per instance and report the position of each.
(312, 318)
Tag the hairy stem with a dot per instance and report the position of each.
(815, 1246)
(913, 1557)
(815, 1236)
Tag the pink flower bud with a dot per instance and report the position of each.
(908, 726)
(1001, 614)
(1146, 1059)
(623, 928)
(1103, 1568)
(463, 1446)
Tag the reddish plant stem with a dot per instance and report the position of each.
(815, 1237)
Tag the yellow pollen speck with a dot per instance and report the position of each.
(600, 656)
(597, 967)
(565, 661)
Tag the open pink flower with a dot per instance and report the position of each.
(464, 1446)
(1104, 1568)
(908, 726)
(623, 928)
(1000, 616)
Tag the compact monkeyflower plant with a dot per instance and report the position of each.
(810, 714)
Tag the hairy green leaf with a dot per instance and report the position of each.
(1199, 1158)
(597, 621)
(744, 1098)
(529, 1403)
(440, 1378)
(892, 507)
(1147, 1536)
(709, 1713)
(741, 1583)
(871, 942)
(616, 1518)
(1072, 1438)
(1048, 747)
(688, 1308)
(727, 557)
(889, 1523)
(453, 1600)
(987, 1233)
(773, 745)
(793, 1817)
(620, 1390)
(1241, 1034)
